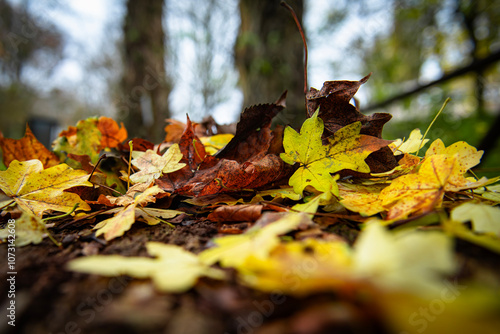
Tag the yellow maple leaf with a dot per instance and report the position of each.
(153, 165)
(408, 260)
(216, 142)
(419, 192)
(361, 198)
(485, 218)
(442, 170)
(300, 267)
(232, 251)
(36, 190)
(346, 150)
(466, 157)
(134, 201)
(411, 145)
(29, 229)
(172, 270)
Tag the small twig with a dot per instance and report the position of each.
(95, 167)
(297, 22)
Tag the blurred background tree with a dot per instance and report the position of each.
(269, 55)
(145, 87)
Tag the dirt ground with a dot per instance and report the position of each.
(50, 299)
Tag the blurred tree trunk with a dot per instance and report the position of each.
(145, 87)
(269, 56)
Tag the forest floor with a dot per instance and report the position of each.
(51, 299)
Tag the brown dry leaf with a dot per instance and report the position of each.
(26, 148)
(251, 120)
(112, 134)
(244, 163)
(333, 101)
(236, 213)
(231, 176)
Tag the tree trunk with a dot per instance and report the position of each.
(269, 56)
(145, 86)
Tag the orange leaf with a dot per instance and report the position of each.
(112, 134)
(26, 148)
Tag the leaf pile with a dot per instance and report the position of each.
(330, 208)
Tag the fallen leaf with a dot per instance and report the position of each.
(411, 145)
(231, 176)
(459, 230)
(172, 269)
(232, 251)
(346, 150)
(134, 202)
(414, 261)
(29, 229)
(484, 218)
(420, 192)
(111, 134)
(84, 139)
(301, 267)
(251, 121)
(466, 157)
(361, 198)
(153, 165)
(36, 190)
(26, 148)
(333, 101)
(236, 213)
(215, 143)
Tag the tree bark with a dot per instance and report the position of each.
(269, 55)
(145, 86)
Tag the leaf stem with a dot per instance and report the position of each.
(430, 125)
(63, 215)
(130, 144)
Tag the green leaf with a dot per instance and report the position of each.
(346, 150)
